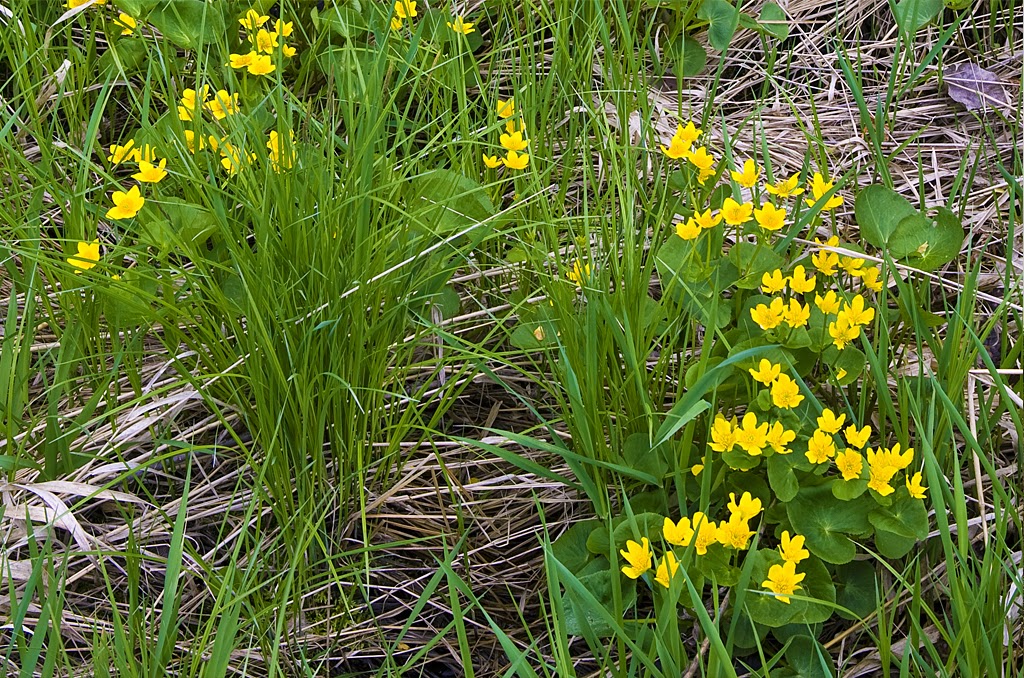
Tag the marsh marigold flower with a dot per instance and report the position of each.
(734, 534)
(190, 101)
(253, 20)
(779, 437)
(677, 534)
(119, 154)
(871, 278)
(88, 254)
(792, 548)
(261, 65)
(706, 533)
(829, 422)
(703, 161)
(783, 580)
(127, 23)
(513, 141)
(774, 282)
(736, 214)
(667, 568)
(638, 556)
(264, 41)
(242, 60)
(820, 448)
(843, 333)
(405, 9)
(819, 187)
(460, 26)
(746, 508)
(516, 161)
(751, 436)
(126, 205)
(854, 266)
(492, 161)
(770, 217)
(796, 314)
(800, 282)
(506, 109)
(856, 314)
(682, 141)
(579, 274)
(149, 173)
(723, 435)
(768, 316)
(688, 230)
(785, 188)
(223, 104)
(786, 392)
(283, 28)
(280, 158)
(915, 487)
(857, 438)
(748, 176)
(850, 463)
(766, 372)
(828, 304)
(705, 220)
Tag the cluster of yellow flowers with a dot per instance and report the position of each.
(222, 105)
(406, 9)
(128, 203)
(702, 533)
(264, 43)
(512, 139)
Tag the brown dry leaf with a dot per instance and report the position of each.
(974, 87)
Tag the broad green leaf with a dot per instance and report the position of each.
(782, 478)
(136, 8)
(893, 545)
(127, 56)
(809, 659)
(723, 19)
(906, 517)
(189, 24)
(845, 490)
(126, 301)
(346, 22)
(912, 15)
(927, 243)
(716, 566)
(534, 335)
(579, 614)
(446, 202)
(753, 260)
(773, 20)
(688, 57)
(639, 456)
(571, 547)
(827, 522)
(768, 610)
(878, 211)
(856, 588)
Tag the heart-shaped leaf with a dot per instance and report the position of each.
(878, 211)
(723, 19)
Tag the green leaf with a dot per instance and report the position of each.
(827, 522)
(688, 57)
(773, 20)
(723, 19)
(770, 611)
(893, 545)
(928, 243)
(912, 15)
(349, 67)
(715, 565)
(571, 547)
(906, 517)
(446, 202)
(753, 260)
(127, 56)
(126, 302)
(639, 456)
(878, 211)
(347, 22)
(531, 336)
(845, 490)
(851, 359)
(738, 460)
(808, 658)
(579, 614)
(856, 589)
(136, 8)
(189, 23)
(782, 478)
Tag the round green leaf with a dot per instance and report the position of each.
(723, 19)
(912, 15)
(878, 211)
(827, 522)
(571, 547)
(928, 243)
(906, 517)
(189, 23)
(688, 56)
(809, 659)
(773, 20)
(856, 589)
(782, 478)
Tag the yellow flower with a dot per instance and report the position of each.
(682, 141)
(190, 142)
(723, 435)
(516, 161)
(871, 278)
(71, 4)
(706, 533)
(145, 154)
(514, 141)
(850, 463)
(797, 314)
(751, 436)
(223, 104)
(852, 265)
(689, 133)
(460, 26)
(800, 282)
(735, 213)
(734, 534)
(241, 60)
(820, 448)
(746, 508)
(786, 392)
(779, 437)
(580, 272)
(825, 261)
(915, 487)
(792, 548)
(119, 154)
(688, 230)
(149, 173)
(283, 28)
(279, 158)
(857, 438)
(748, 177)
(127, 22)
(261, 65)
(264, 41)
(843, 333)
(705, 220)
(233, 159)
(768, 317)
(638, 556)
(878, 480)
(506, 109)
(126, 205)
(840, 373)
(677, 534)
(89, 253)
(773, 282)
(396, 23)
(253, 20)
(766, 372)
(405, 9)
(829, 422)
(288, 51)
(770, 217)
(828, 303)
(785, 188)
(189, 100)
(667, 568)
(819, 187)
(697, 468)
(701, 159)
(783, 580)
(855, 313)
(492, 161)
